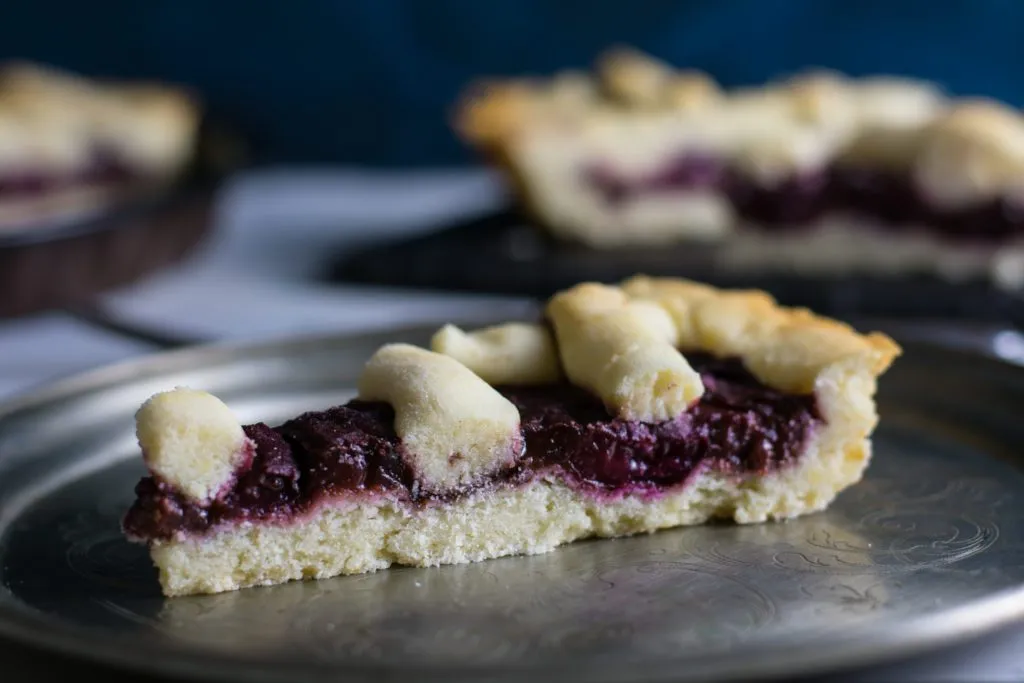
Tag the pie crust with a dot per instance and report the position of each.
(457, 430)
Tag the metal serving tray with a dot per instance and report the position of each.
(928, 549)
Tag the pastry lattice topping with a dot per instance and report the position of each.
(513, 353)
(624, 352)
(191, 440)
(454, 426)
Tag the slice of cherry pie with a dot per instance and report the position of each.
(651, 405)
(817, 174)
(70, 145)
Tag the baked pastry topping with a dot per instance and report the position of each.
(68, 143)
(604, 429)
(640, 153)
(454, 427)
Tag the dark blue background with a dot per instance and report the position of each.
(371, 81)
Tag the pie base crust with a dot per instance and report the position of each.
(528, 520)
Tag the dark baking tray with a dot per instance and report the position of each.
(503, 253)
(66, 263)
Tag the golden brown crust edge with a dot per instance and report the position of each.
(488, 112)
(786, 348)
(491, 112)
(752, 325)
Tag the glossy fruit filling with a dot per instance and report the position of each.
(889, 199)
(104, 168)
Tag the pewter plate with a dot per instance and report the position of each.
(926, 550)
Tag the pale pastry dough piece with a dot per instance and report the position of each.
(883, 149)
(494, 111)
(54, 120)
(682, 299)
(513, 353)
(623, 353)
(829, 98)
(785, 150)
(786, 348)
(192, 441)
(638, 80)
(971, 154)
(454, 426)
(692, 91)
(897, 103)
(819, 97)
(632, 77)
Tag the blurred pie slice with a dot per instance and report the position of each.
(817, 174)
(70, 145)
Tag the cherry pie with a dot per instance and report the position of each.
(816, 174)
(70, 145)
(650, 405)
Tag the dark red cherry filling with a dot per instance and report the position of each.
(889, 199)
(739, 425)
(691, 171)
(104, 168)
